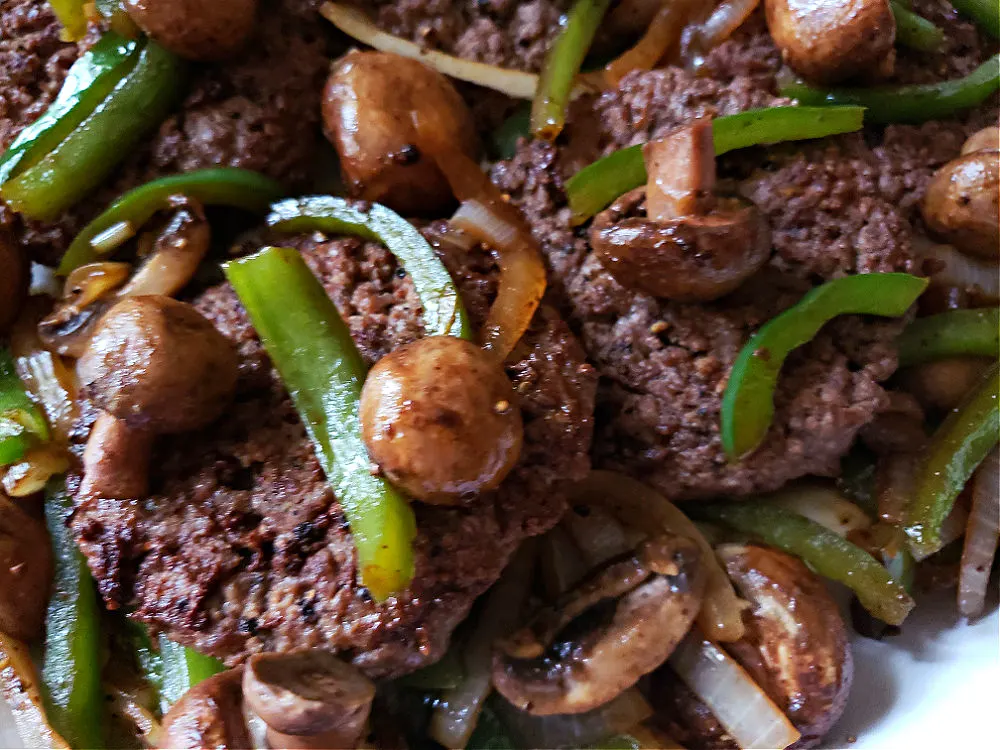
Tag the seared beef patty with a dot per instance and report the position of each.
(242, 547)
(259, 112)
(840, 206)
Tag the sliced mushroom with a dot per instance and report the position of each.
(830, 40)
(795, 648)
(13, 281)
(154, 366)
(195, 29)
(601, 637)
(987, 139)
(691, 244)
(209, 715)
(309, 699)
(962, 203)
(25, 572)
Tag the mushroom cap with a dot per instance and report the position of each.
(308, 692)
(962, 203)
(439, 418)
(691, 258)
(195, 29)
(25, 572)
(158, 364)
(209, 715)
(830, 40)
(608, 644)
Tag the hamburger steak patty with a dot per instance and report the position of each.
(241, 546)
(839, 206)
(259, 111)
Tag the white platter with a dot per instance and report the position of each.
(935, 686)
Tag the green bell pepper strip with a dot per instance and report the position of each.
(984, 13)
(71, 669)
(221, 186)
(21, 421)
(910, 103)
(503, 140)
(748, 402)
(954, 333)
(89, 81)
(72, 16)
(182, 669)
(136, 106)
(562, 64)
(311, 348)
(957, 447)
(915, 31)
(595, 186)
(827, 553)
(444, 314)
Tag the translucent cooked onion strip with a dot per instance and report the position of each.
(948, 267)
(738, 703)
(699, 38)
(822, 504)
(981, 536)
(19, 682)
(641, 507)
(353, 22)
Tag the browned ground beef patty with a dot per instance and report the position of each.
(840, 206)
(260, 111)
(242, 547)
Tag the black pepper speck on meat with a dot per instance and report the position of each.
(839, 206)
(241, 546)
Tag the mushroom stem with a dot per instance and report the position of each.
(208, 715)
(681, 169)
(116, 459)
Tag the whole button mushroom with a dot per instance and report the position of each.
(209, 715)
(309, 699)
(196, 29)
(369, 105)
(830, 40)
(962, 202)
(598, 639)
(25, 572)
(13, 281)
(691, 245)
(154, 366)
(438, 418)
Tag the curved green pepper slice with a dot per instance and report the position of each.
(21, 422)
(954, 333)
(88, 82)
(444, 314)
(81, 162)
(748, 402)
(562, 63)
(915, 31)
(595, 186)
(182, 669)
(909, 103)
(984, 13)
(957, 447)
(312, 349)
(826, 552)
(71, 671)
(222, 186)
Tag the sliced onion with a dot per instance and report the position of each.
(947, 267)
(663, 32)
(599, 535)
(46, 377)
(455, 717)
(130, 711)
(643, 508)
(561, 563)
(19, 682)
(699, 39)
(618, 716)
(981, 536)
(36, 467)
(353, 22)
(113, 237)
(748, 715)
(894, 486)
(93, 281)
(824, 505)
(176, 254)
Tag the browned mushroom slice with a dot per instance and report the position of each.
(25, 572)
(195, 29)
(830, 40)
(208, 715)
(602, 636)
(675, 238)
(309, 699)
(962, 203)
